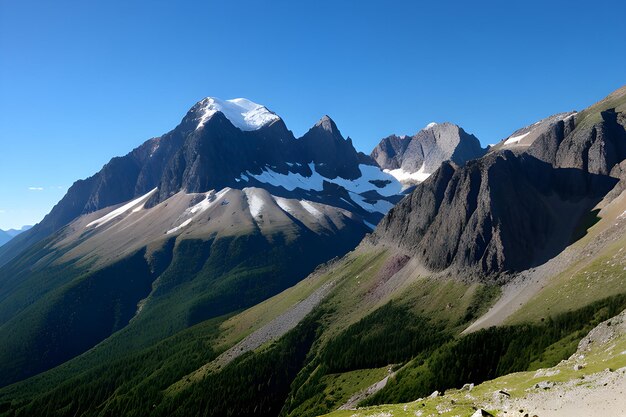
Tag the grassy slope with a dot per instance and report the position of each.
(591, 115)
(217, 334)
(463, 404)
(589, 278)
(210, 288)
(357, 277)
(339, 387)
(447, 303)
(578, 286)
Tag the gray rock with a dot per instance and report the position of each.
(481, 413)
(595, 149)
(427, 149)
(544, 385)
(503, 212)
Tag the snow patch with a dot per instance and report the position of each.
(430, 125)
(514, 139)
(284, 204)
(311, 209)
(380, 206)
(177, 228)
(242, 113)
(211, 199)
(405, 176)
(290, 181)
(315, 182)
(135, 205)
(370, 175)
(569, 116)
(255, 201)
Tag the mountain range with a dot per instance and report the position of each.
(224, 211)
(6, 235)
(229, 268)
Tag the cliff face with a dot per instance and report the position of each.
(416, 157)
(499, 213)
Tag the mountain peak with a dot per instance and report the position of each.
(327, 124)
(412, 159)
(241, 112)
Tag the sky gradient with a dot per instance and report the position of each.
(84, 81)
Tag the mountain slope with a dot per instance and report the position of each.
(499, 213)
(4, 237)
(217, 215)
(589, 382)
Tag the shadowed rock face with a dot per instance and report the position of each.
(595, 149)
(333, 155)
(427, 149)
(499, 213)
(509, 211)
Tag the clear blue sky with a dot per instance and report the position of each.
(83, 81)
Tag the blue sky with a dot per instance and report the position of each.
(83, 81)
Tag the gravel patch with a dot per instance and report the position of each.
(275, 328)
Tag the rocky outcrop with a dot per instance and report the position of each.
(596, 148)
(560, 124)
(514, 209)
(389, 153)
(499, 213)
(333, 155)
(428, 149)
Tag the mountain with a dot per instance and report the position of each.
(499, 213)
(6, 235)
(15, 232)
(522, 138)
(490, 271)
(207, 151)
(413, 159)
(510, 211)
(224, 211)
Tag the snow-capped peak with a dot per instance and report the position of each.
(242, 113)
(430, 125)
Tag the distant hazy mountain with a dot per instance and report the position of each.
(6, 235)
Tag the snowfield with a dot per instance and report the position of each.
(242, 113)
(315, 182)
(135, 205)
(401, 175)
